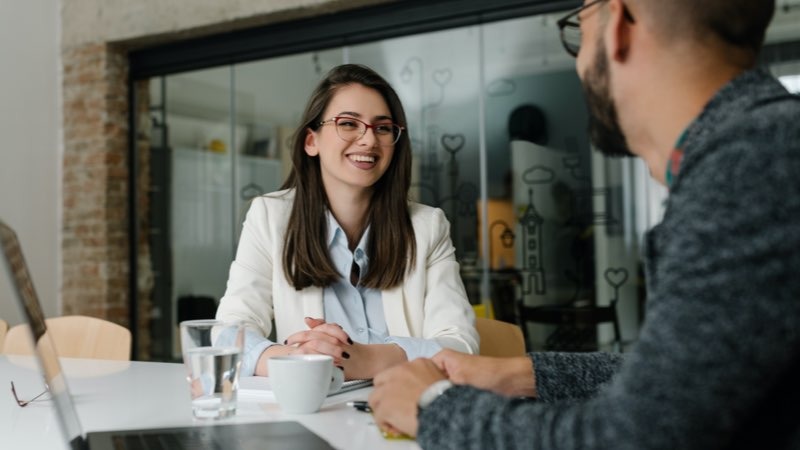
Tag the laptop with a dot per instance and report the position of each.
(265, 435)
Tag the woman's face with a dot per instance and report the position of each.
(351, 167)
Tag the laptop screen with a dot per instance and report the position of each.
(15, 266)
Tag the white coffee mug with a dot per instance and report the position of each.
(301, 382)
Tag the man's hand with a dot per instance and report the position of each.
(397, 391)
(511, 377)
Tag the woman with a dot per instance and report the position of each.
(340, 259)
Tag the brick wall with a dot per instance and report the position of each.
(144, 266)
(95, 183)
(96, 239)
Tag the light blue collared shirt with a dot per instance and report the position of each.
(359, 310)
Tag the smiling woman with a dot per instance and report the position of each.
(340, 259)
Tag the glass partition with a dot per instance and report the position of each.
(497, 122)
(498, 126)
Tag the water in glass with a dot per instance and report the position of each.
(214, 378)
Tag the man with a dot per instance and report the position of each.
(717, 364)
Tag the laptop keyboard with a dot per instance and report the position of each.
(245, 436)
(188, 440)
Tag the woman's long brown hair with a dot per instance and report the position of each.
(391, 246)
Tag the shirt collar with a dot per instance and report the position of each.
(336, 236)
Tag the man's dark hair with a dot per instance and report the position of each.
(740, 24)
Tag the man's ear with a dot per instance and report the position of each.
(618, 31)
(311, 143)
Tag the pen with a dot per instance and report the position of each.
(360, 405)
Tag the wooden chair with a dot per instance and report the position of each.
(3, 331)
(76, 337)
(499, 338)
(576, 324)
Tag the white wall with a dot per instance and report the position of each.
(91, 21)
(30, 144)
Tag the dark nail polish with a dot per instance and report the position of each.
(285, 341)
(349, 341)
(340, 368)
(345, 355)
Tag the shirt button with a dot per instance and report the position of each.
(360, 330)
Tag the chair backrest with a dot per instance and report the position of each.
(576, 326)
(499, 338)
(76, 337)
(3, 331)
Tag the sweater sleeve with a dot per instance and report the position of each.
(572, 376)
(485, 420)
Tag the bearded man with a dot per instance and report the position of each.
(717, 362)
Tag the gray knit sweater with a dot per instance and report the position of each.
(717, 365)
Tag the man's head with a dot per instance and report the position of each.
(735, 27)
(717, 33)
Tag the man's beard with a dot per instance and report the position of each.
(604, 129)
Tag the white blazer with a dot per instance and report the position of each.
(430, 303)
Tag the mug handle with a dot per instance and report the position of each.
(337, 379)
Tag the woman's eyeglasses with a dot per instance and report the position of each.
(351, 129)
(24, 403)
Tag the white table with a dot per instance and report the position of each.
(114, 395)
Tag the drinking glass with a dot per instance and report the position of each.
(212, 353)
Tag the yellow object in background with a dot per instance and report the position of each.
(502, 223)
(480, 311)
(217, 146)
(395, 436)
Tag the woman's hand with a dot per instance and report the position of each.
(321, 338)
(359, 361)
(367, 360)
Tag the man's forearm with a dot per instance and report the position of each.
(516, 378)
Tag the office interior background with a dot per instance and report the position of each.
(137, 132)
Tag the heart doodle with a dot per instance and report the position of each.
(453, 142)
(616, 277)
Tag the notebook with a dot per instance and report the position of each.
(258, 388)
(272, 435)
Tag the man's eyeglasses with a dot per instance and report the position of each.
(570, 27)
(351, 129)
(24, 403)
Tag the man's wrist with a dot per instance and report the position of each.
(433, 392)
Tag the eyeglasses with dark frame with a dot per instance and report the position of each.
(350, 129)
(569, 27)
(24, 403)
